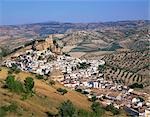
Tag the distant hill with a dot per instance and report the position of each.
(99, 34)
(110, 38)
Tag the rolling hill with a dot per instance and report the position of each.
(86, 36)
(46, 98)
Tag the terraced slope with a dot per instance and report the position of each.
(125, 67)
(125, 77)
(128, 67)
(131, 61)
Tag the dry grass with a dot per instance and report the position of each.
(68, 48)
(77, 54)
(46, 98)
(96, 55)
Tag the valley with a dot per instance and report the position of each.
(105, 62)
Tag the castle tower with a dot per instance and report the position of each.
(49, 40)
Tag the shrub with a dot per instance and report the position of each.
(114, 110)
(10, 81)
(24, 97)
(67, 109)
(52, 82)
(10, 71)
(11, 108)
(83, 113)
(17, 71)
(93, 98)
(14, 67)
(136, 85)
(97, 109)
(79, 90)
(39, 76)
(85, 92)
(18, 87)
(14, 85)
(2, 112)
(29, 84)
(62, 91)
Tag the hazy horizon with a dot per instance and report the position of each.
(70, 22)
(13, 12)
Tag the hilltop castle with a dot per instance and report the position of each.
(48, 43)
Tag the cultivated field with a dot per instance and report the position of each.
(128, 67)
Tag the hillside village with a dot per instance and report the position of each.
(83, 75)
(74, 58)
